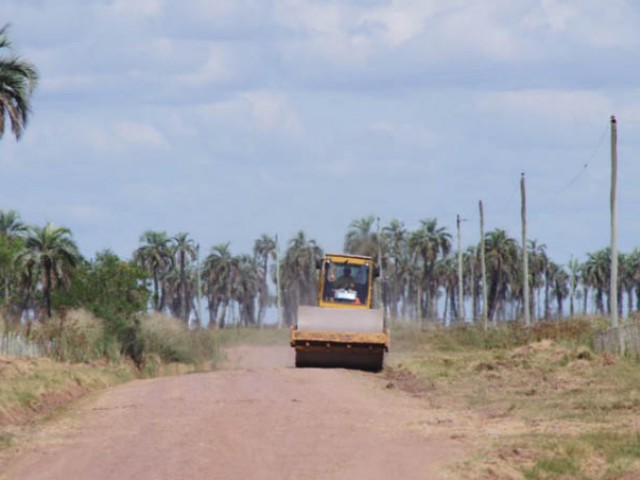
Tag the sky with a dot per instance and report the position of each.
(227, 119)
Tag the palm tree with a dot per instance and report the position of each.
(549, 285)
(219, 274)
(472, 274)
(28, 274)
(264, 249)
(10, 230)
(298, 275)
(633, 271)
(361, 239)
(394, 237)
(184, 252)
(53, 250)
(155, 256)
(596, 275)
(447, 274)
(560, 289)
(428, 243)
(246, 288)
(502, 267)
(18, 79)
(574, 281)
(178, 286)
(10, 224)
(538, 261)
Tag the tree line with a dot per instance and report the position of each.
(42, 271)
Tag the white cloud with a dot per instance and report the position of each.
(65, 83)
(552, 14)
(325, 31)
(120, 136)
(134, 133)
(87, 214)
(588, 22)
(262, 110)
(401, 20)
(342, 34)
(215, 68)
(550, 105)
(147, 8)
(272, 112)
(408, 134)
(342, 167)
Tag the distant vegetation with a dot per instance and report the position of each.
(43, 276)
(44, 279)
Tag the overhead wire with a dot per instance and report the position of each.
(587, 163)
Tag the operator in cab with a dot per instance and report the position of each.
(346, 281)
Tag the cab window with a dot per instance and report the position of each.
(346, 283)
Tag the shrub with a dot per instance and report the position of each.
(74, 335)
(172, 341)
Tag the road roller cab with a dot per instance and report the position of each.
(343, 330)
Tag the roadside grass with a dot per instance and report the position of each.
(169, 347)
(31, 387)
(598, 455)
(563, 410)
(75, 357)
(75, 360)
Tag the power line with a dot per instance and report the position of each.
(587, 163)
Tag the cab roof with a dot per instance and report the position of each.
(348, 255)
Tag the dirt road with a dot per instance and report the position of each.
(259, 419)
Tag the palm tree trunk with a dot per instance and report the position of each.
(46, 289)
(156, 294)
(585, 299)
(446, 305)
(419, 303)
(213, 310)
(222, 319)
(183, 284)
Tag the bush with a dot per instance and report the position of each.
(170, 340)
(74, 335)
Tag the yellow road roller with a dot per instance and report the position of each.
(343, 330)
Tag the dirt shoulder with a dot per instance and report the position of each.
(544, 410)
(260, 418)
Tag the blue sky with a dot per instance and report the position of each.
(228, 119)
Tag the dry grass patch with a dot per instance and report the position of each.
(549, 409)
(169, 347)
(30, 387)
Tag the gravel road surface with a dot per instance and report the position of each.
(260, 418)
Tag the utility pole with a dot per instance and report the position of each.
(525, 253)
(278, 292)
(460, 285)
(483, 270)
(613, 286)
